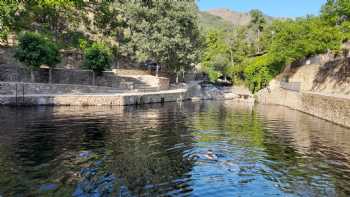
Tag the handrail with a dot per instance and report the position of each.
(292, 86)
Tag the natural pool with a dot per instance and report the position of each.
(175, 149)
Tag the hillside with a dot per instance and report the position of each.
(225, 18)
(209, 21)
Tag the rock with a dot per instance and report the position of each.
(84, 154)
(94, 183)
(88, 172)
(47, 187)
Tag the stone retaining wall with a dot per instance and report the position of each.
(329, 107)
(11, 73)
(10, 88)
(97, 100)
(194, 92)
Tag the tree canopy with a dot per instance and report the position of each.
(163, 31)
(285, 41)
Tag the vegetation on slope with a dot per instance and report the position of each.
(275, 45)
(168, 32)
(163, 31)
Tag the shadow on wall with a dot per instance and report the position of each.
(337, 72)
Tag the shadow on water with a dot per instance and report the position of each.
(175, 149)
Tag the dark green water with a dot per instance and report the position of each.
(165, 150)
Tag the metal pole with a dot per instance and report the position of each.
(23, 93)
(157, 70)
(16, 94)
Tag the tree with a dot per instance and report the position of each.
(257, 23)
(97, 59)
(238, 46)
(336, 12)
(35, 50)
(165, 32)
(9, 14)
(220, 63)
(216, 56)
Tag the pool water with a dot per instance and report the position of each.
(174, 149)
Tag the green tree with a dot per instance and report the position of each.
(35, 50)
(220, 63)
(54, 17)
(216, 56)
(238, 46)
(260, 70)
(336, 11)
(165, 31)
(9, 14)
(97, 59)
(257, 23)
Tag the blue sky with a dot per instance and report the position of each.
(281, 8)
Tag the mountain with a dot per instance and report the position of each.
(209, 21)
(235, 18)
(225, 18)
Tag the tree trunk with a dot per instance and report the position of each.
(93, 78)
(177, 78)
(32, 76)
(183, 76)
(50, 75)
(258, 40)
(231, 53)
(157, 70)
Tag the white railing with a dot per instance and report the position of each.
(292, 86)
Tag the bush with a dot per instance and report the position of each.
(35, 50)
(97, 58)
(261, 70)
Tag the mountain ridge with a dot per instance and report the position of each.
(234, 17)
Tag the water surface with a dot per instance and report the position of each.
(188, 149)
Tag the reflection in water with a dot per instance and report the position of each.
(188, 149)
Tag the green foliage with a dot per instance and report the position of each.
(260, 70)
(336, 12)
(97, 58)
(258, 20)
(165, 31)
(295, 40)
(281, 43)
(8, 16)
(35, 50)
(257, 23)
(224, 53)
(291, 41)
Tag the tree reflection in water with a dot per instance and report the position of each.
(163, 150)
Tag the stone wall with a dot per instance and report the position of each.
(321, 73)
(194, 92)
(96, 100)
(329, 107)
(11, 73)
(189, 76)
(20, 89)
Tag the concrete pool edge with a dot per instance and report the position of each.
(118, 99)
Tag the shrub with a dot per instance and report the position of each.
(35, 50)
(261, 70)
(97, 58)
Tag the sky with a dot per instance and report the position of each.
(276, 8)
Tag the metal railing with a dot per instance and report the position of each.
(292, 86)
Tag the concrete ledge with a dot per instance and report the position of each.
(96, 100)
(13, 88)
